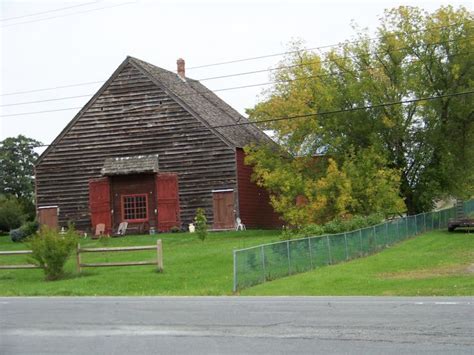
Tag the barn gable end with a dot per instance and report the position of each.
(133, 115)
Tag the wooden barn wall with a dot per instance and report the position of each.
(131, 117)
(254, 203)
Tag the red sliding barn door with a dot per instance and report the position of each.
(167, 201)
(99, 202)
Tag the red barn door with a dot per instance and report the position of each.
(48, 216)
(99, 203)
(167, 201)
(223, 204)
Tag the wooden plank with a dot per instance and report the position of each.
(129, 263)
(97, 250)
(19, 266)
(16, 252)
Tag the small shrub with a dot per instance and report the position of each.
(17, 235)
(200, 222)
(30, 228)
(312, 230)
(11, 213)
(334, 227)
(51, 250)
(26, 230)
(288, 233)
(356, 222)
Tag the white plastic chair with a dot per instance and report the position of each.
(239, 224)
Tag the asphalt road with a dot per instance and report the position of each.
(236, 325)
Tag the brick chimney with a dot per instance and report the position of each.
(180, 63)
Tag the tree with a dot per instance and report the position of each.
(423, 150)
(11, 213)
(17, 158)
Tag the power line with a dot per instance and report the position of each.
(225, 89)
(223, 76)
(49, 11)
(235, 74)
(31, 113)
(368, 107)
(53, 88)
(325, 113)
(70, 14)
(47, 100)
(340, 44)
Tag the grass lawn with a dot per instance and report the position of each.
(191, 267)
(437, 263)
(434, 264)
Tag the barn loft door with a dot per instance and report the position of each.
(48, 216)
(223, 203)
(167, 201)
(99, 203)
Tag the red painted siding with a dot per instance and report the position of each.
(254, 202)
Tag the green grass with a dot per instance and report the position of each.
(434, 264)
(191, 267)
(437, 263)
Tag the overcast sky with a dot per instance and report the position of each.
(86, 42)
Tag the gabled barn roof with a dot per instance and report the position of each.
(195, 98)
(206, 104)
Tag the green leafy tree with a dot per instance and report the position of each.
(11, 213)
(17, 158)
(421, 149)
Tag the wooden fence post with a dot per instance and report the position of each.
(159, 255)
(78, 258)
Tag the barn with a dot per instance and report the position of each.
(150, 147)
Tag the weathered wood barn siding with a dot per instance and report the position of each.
(133, 116)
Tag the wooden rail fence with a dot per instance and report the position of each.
(158, 262)
(17, 266)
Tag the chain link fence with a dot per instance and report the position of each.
(267, 262)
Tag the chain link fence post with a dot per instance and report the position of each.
(235, 271)
(310, 253)
(289, 257)
(416, 224)
(375, 238)
(406, 223)
(345, 243)
(263, 265)
(360, 240)
(329, 249)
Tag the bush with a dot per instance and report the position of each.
(11, 213)
(356, 222)
(336, 226)
(51, 250)
(201, 224)
(27, 229)
(312, 230)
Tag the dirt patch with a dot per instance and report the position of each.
(429, 273)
